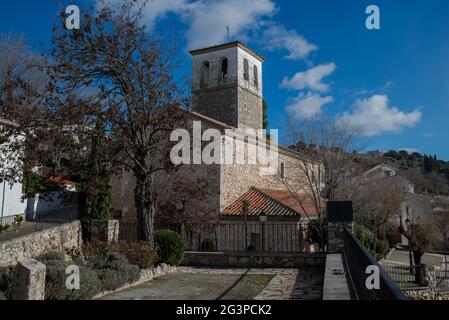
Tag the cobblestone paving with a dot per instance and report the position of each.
(287, 284)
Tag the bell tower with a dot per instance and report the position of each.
(227, 84)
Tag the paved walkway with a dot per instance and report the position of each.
(286, 284)
(189, 283)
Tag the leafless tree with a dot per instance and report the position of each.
(419, 232)
(324, 147)
(126, 77)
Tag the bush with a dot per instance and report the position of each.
(55, 279)
(209, 245)
(6, 278)
(139, 253)
(114, 270)
(51, 256)
(171, 247)
(102, 271)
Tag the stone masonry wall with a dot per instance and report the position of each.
(336, 238)
(238, 179)
(221, 259)
(56, 238)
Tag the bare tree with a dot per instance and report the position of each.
(419, 232)
(324, 147)
(123, 75)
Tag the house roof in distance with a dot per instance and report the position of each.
(228, 45)
(272, 203)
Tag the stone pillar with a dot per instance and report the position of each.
(104, 230)
(339, 215)
(29, 281)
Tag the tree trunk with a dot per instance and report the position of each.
(145, 209)
(418, 268)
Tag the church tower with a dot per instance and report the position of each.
(227, 84)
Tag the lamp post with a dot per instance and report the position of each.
(263, 218)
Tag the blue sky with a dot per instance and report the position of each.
(320, 58)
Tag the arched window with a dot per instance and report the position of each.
(224, 68)
(256, 76)
(245, 69)
(204, 73)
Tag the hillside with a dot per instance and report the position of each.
(429, 174)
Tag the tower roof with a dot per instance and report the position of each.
(228, 45)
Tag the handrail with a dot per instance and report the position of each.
(357, 258)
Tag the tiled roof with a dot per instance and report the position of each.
(272, 203)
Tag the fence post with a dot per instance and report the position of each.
(339, 215)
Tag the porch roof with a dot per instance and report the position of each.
(272, 203)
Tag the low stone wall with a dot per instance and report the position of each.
(336, 286)
(249, 259)
(425, 294)
(28, 246)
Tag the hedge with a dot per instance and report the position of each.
(170, 247)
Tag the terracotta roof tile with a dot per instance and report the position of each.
(272, 203)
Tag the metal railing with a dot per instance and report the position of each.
(9, 220)
(234, 236)
(357, 259)
(39, 221)
(405, 277)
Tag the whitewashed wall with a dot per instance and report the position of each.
(11, 200)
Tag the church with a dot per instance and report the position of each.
(227, 95)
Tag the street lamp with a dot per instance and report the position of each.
(263, 218)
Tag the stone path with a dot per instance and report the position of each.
(193, 283)
(287, 284)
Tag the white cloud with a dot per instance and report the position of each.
(277, 37)
(306, 106)
(310, 79)
(374, 116)
(209, 20)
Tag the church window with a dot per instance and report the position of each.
(256, 77)
(224, 68)
(245, 69)
(205, 73)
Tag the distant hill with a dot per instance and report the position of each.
(429, 174)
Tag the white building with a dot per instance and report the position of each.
(11, 203)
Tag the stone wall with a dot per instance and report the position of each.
(219, 104)
(28, 246)
(245, 260)
(238, 179)
(336, 238)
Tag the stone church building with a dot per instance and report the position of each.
(227, 95)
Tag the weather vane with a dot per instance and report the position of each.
(228, 30)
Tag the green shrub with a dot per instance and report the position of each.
(113, 270)
(171, 247)
(251, 247)
(2, 296)
(50, 256)
(55, 288)
(209, 245)
(6, 278)
(139, 253)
